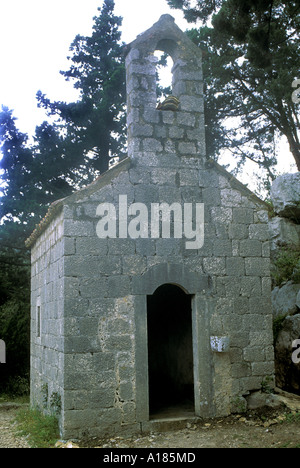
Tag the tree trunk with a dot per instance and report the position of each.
(295, 150)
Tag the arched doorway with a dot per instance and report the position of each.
(170, 351)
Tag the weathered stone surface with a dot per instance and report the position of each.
(259, 399)
(283, 232)
(284, 299)
(256, 400)
(285, 195)
(298, 300)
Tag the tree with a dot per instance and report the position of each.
(252, 60)
(94, 126)
(64, 156)
(16, 207)
(32, 177)
(17, 202)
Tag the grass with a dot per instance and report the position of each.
(293, 418)
(41, 430)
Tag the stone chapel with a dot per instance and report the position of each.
(148, 322)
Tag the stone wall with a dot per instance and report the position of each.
(105, 280)
(47, 321)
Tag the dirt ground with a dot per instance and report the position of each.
(270, 430)
(8, 437)
(266, 428)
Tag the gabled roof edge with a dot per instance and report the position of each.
(55, 208)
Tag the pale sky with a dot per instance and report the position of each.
(35, 36)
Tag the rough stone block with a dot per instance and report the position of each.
(139, 130)
(81, 228)
(222, 248)
(81, 266)
(214, 266)
(187, 148)
(189, 177)
(263, 368)
(211, 196)
(152, 144)
(283, 232)
(191, 104)
(176, 132)
(259, 232)
(186, 118)
(235, 266)
(168, 117)
(120, 247)
(284, 299)
(93, 287)
(208, 178)
(151, 115)
(119, 286)
(69, 245)
(251, 286)
(257, 266)
(134, 264)
(230, 197)
(221, 215)
(91, 246)
(238, 232)
(285, 195)
(260, 305)
(163, 177)
(250, 248)
(243, 215)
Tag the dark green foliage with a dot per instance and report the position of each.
(14, 327)
(277, 327)
(251, 61)
(94, 126)
(286, 267)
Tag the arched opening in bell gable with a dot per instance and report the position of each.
(166, 53)
(164, 75)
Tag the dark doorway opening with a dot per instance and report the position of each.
(170, 352)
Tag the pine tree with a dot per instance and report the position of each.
(94, 125)
(17, 202)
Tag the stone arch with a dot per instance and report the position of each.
(165, 35)
(171, 273)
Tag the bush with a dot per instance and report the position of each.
(286, 267)
(17, 386)
(15, 331)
